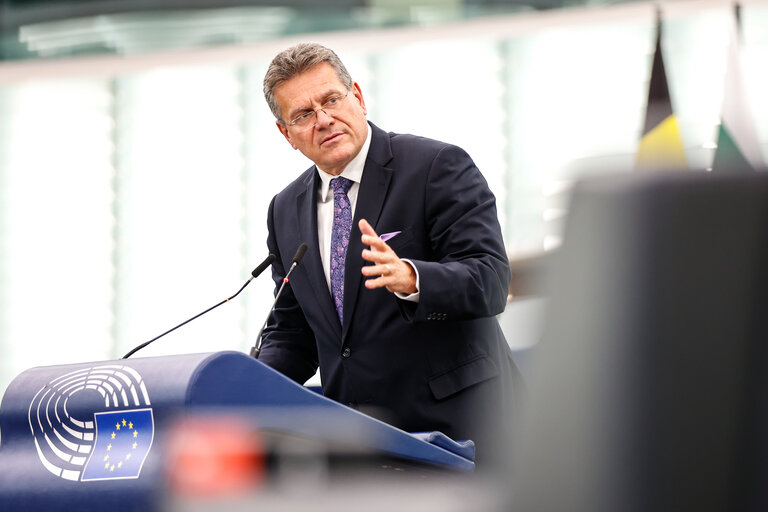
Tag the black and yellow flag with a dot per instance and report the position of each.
(661, 146)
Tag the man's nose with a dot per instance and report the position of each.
(323, 119)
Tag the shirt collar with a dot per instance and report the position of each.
(353, 171)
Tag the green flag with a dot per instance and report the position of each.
(738, 148)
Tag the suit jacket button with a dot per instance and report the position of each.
(346, 352)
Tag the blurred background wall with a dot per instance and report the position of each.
(138, 157)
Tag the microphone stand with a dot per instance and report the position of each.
(258, 270)
(256, 349)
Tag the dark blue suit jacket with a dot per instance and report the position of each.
(440, 364)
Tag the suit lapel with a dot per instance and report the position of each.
(306, 204)
(370, 200)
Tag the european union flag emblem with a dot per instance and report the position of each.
(123, 440)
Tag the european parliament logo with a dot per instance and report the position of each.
(123, 440)
(93, 424)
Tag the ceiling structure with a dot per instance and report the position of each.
(31, 29)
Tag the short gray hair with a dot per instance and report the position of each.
(296, 60)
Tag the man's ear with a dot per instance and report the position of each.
(284, 130)
(358, 93)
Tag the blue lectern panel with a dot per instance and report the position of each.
(88, 435)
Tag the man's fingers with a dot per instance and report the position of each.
(375, 243)
(377, 270)
(370, 238)
(366, 229)
(378, 256)
(381, 281)
(372, 284)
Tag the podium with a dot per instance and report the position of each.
(91, 436)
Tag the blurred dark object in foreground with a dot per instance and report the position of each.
(529, 274)
(650, 385)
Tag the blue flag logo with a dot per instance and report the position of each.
(123, 440)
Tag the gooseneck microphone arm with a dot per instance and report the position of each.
(256, 349)
(258, 270)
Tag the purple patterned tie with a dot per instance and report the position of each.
(342, 226)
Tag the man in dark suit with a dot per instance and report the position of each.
(400, 315)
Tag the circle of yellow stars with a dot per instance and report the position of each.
(109, 463)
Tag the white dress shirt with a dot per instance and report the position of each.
(353, 172)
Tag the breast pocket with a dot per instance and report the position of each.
(400, 240)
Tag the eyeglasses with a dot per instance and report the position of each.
(308, 118)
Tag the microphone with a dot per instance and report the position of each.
(256, 272)
(256, 349)
(259, 269)
(299, 254)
